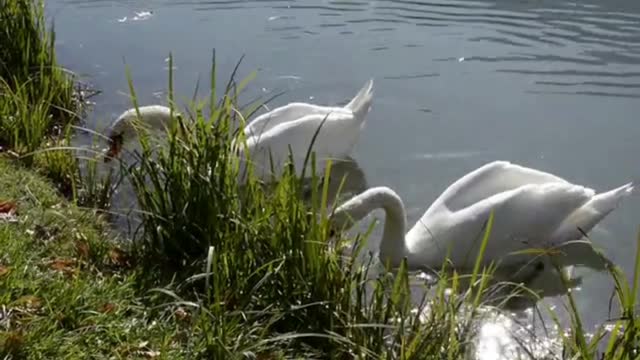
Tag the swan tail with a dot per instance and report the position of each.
(361, 103)
(611, 199)
(585, 218)
(582, 253)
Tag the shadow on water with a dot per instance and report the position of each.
(346, 180)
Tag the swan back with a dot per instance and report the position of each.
(334, 140)
(285, 114)
(525, 217)
(532, 216)
(271, 137)
(490, 179)
(358, 107)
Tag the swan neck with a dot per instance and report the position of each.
(392, 245)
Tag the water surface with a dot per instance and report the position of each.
(549, 84)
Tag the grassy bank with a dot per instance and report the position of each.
(39, 100)
(217, 271)
(68, 290)
(65, 290)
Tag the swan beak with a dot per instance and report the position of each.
(115, 146)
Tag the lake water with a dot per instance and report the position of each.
(550, 84)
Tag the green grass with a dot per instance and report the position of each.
(31, 80)
(65, 291)
(217, 270)
(39, 100)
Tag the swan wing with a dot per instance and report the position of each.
(285, 114)
(358, 106)
(524, 217)
(488, 180)
(336, 137)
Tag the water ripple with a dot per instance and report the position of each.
(405, 77)
(583, 35)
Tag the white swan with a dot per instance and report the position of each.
(292, 126)
(532, 209)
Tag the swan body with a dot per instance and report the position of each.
(532, 209)
(272, 136)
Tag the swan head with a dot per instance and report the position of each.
(346, 215)
(125, 128)
(340, 220)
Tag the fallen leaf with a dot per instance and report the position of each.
(13, 342)
(8, 211)
(67, 266)
(4, 270)
(45, 234)
(118, 257)
(150, 354)
(108, 308)
(181, 314)
(8, 206)
(144, 350)
(82, 248)
(30, 301)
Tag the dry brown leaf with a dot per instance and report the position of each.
(4, 270)
(118, 257)
(146, 352)
(13, 342)
(8, 206)
(30, 301)
(108, 308)
(182, 314)
(82, 248)
(8, 211)
(66, 266)
(150, 354)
